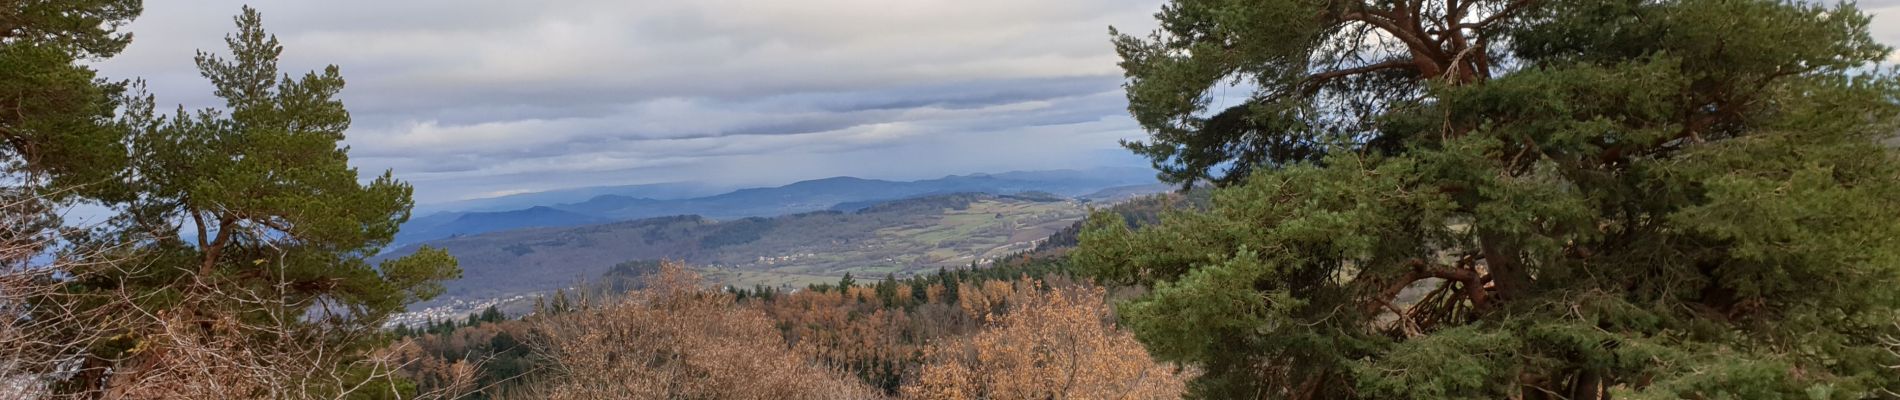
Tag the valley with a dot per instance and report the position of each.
(899, 238)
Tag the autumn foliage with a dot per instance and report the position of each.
(674, 340)
(1019, 331)
(1055, 344)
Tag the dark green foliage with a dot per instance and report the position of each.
(56, 115)
(486, 316)
(264, 186)
(251, 212)
(1136, 213)
(957, 201)
(1632, 199)
(1016, 267)
(233, 221)
(887, 290)
(637, 269)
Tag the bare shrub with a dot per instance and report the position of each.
(210, 353)
(1054, 344)
(212, 343)
(44, 330)
(674, 340)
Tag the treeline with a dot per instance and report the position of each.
(432, 327)
(890, 338)
(477, 360)
(878, 330)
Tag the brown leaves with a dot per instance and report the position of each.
(1058, 344)
(678, 340)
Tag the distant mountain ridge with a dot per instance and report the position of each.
(798, 197)
(481, 222)
(902, 236)
(667, 190)
(825, 193)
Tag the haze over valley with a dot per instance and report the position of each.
(788, 236)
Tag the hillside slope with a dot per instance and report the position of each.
(663, 191)
(456, 224)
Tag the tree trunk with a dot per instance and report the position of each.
(1504, 261)
(1588, 386)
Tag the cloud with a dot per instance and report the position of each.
(471, 97)
(459, 96)
(1886, 26)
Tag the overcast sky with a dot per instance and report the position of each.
(475, 98)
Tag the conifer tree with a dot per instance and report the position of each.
(257, 222)
(1517, 199)
(56, 114)
(493, 315)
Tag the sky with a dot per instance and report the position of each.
(476, 98)
(479, 98)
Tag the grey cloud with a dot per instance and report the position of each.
(461, 96)
(468, 97)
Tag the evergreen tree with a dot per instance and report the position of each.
(1517, 199)
(268, 193)
(887, 290)
(257, 215)
(950, 282)
(492, 314)
(56, 113)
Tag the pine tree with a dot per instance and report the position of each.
(492, 314)
(887, 290)
(267, 192)
(258, 217)
(57, 128)
(1517, 199)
